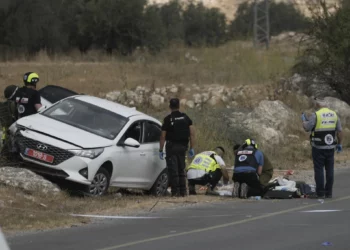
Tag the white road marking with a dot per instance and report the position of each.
(321, 211)
(112, 217)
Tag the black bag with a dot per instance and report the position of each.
(279, 194)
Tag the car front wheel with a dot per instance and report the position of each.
(100, 183)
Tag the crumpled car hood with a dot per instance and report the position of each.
(65, 132)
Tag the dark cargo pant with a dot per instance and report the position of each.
(176, 163)
(323, 159)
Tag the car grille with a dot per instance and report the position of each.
(60, 155)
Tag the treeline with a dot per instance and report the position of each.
(123, 25)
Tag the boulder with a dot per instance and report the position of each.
(341, 107)
(270, 121)
(26, 180)
(183, 102)
(214, 100)
(197, 98)
(190, 104)
(205, 97)
(156, 100)
(113, 96)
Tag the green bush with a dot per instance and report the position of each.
(327, 52)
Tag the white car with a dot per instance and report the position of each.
(95, 142)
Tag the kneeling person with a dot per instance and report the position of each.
(249, 163)
(207, 168)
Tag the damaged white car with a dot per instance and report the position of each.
(95, 142)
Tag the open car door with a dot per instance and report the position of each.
(52, 93)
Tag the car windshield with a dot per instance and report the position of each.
(88, 117)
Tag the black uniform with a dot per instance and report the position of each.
(177, 127)
(26, 99)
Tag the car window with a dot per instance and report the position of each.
(88, 117)
(152, 132)
(134, 132)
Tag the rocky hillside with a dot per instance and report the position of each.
(229, 7)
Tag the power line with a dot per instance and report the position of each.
(261, 23)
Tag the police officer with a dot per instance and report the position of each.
(249, 162)
(177, 132)
(207, 168)
(326, 136)
(27, 98)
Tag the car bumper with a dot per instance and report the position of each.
(68, 170)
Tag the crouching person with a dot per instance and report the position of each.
(249, 162)
(207, 168)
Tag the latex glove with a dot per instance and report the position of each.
(303, 117)
(191, 152)
(339, 148)
(161, 155)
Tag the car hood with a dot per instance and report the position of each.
(64, 132)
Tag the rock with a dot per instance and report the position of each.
(173, 89)
(205, 97)
(131, 103)
(157, 91)
(157, 100)
(26, 180)
(270, 120)
(214, 100)
(197, 98)
(183, 102)
(190, 104)
(225, 99)
(342, 109)
(113, 96)
(163, 91)
(187, 89)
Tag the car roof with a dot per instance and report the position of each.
(112, 106)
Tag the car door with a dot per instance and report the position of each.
(131, 161)
(150, 143)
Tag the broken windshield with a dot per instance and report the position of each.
(88, 117)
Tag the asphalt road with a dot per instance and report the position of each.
(264, 225)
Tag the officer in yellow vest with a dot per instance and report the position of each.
(326, 137)
(207, 168)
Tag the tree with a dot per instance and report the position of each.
(34, 25)
(327, 53)
(283, 17)
(154, 32)
(172, 19)
(204, 26)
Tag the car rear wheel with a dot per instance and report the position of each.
(100, 183)
(160, 186)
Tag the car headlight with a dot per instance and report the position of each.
(88, 153)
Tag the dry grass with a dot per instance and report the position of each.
(233, 64)
(22, 212)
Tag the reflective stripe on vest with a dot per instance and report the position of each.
(203, 161)
(326, 124)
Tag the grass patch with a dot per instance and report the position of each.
(235, 63)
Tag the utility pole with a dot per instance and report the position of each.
(261, 23)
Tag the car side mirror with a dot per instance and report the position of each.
(41, 109)
(130, 142)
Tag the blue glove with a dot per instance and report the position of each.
(339, 148)
(161, 155)
(303, 117)
(191, 152)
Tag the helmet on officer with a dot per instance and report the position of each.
(10, 91)
(250, 142)
(30, 79)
